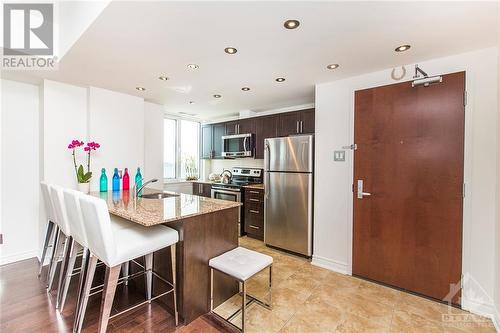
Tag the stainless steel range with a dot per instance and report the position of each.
(232, 190)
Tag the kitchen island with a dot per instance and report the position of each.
(207, 228)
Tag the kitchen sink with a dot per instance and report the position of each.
(159, 195)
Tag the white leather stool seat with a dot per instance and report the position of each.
(118, 223)
(241, 263)
(135, 241)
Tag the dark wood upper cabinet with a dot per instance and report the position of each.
(265, 127)
(242, 126)
(219, 130)
(231, 128)
(272, 126)
(307, 121)
(297, 122)
(206, 141)
(289, 124)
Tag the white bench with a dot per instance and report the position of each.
(240, 264)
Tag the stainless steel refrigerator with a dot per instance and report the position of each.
(288, 180)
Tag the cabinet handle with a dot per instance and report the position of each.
(254, 227)
(297, 127)
(253, 200)
(254, 192)
(301, 127)
(254, 211)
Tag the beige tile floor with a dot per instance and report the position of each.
(310, 299)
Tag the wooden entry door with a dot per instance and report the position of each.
(407, 230)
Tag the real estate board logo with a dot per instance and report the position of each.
(28, 36)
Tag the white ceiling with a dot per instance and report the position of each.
(131, 43)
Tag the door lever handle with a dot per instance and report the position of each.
(362, 194)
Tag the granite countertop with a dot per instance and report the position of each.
(149, 212)
(255, 186)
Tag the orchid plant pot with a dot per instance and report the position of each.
(84, 187)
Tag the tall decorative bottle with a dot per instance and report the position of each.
(125, 180)
(103, 181)
(138, 180)
(116, 181)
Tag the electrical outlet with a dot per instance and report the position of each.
(339, 155)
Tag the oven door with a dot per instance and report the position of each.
(240, 145)
(224, 194)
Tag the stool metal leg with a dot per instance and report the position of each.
(270, 286)
(92, 263)
(148, 266)
(55, 258)
(48, 236)
(243, 305)
(68, 247)
(81, 285)
(75, 248)
(125, 270)
(108, 294)
(211, 290)
(173, 249)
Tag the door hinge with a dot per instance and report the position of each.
(465, 97)
(463, 190)
(352, 147)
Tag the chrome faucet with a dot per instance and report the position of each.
(136, 190)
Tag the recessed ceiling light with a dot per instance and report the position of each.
(163, 77)
(245, 89)
(217, 96)
(291, 24)
(332, 66)
(140, 88)
(230, 50)
(280, 79)
(193, 66)
(402, 48)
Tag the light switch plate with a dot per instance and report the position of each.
(339, 155)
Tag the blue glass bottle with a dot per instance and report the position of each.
(138, 181)
(116, 181)
(103, 181)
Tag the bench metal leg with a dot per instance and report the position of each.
(243, 305)
(148, 266)
(173, 253)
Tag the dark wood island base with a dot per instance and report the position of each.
(202, 237)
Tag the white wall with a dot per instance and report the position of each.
(19, 173)
(153, 143)
(64, 119)
(218, 166)
(497, 227)
(333, 195)
(116, 122)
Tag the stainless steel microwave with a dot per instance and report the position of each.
(238, 145)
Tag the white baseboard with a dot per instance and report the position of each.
(482, 309)
(331, 265)
(4, 260)
(496, 321)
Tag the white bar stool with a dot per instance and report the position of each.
(51, 228)
(241, 264)
(63, 236)
(115, 247)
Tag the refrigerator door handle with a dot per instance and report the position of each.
(267, 159)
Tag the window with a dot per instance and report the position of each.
(181, 149)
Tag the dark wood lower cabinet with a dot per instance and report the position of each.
(202, 189)
(253, 214)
